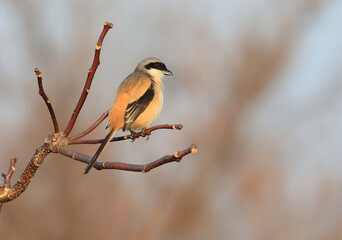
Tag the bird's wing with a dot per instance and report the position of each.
(137, 107)
(140, 92)
(134, 86)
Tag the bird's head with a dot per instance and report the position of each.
(154, 67)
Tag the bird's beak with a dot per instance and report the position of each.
(168, 72)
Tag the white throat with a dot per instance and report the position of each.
(156, 74)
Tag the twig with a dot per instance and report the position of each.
(7, 177)
(91, 73)
(46, 99)
(176, 157)
(130, 136)
(91, 128)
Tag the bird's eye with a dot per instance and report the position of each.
(155, 65)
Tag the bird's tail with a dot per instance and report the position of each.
(100, 150)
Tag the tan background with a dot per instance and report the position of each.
(257, 86)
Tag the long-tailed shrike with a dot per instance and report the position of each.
(138, 102)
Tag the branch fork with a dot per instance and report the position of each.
(59, 142)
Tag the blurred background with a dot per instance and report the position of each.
(257, 86)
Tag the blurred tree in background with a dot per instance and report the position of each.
(256, 85)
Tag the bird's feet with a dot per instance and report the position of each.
(132, 137)
(143, 134)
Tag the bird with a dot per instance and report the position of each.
(138, 101)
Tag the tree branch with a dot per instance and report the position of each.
(91, 73)
(58, 142)
(90, 129)
(46, 99)
(8, 193)
(7, 177)
(130, 136)
(176, 157)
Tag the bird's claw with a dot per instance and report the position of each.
(143, 134)
(147, 135)
(132, 137)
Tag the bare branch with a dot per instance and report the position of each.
(9, 193)
(176, 157)
(91, 73)
(91, 128)
(7, 177)
(130, 136)
(46, 99)
(58, 142)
